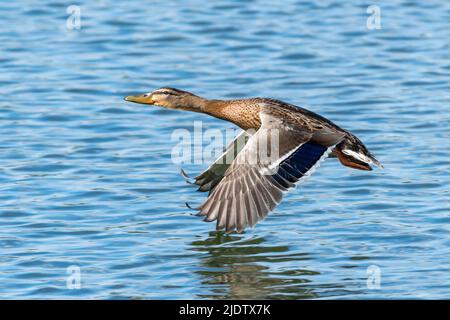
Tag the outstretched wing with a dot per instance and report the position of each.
(211, 177)
(272, 161)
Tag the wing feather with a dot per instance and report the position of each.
(212, 176)
(254, 184)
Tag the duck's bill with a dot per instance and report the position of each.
(142, 98)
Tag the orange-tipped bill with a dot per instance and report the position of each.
(142, 98)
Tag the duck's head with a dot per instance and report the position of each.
(170, 98)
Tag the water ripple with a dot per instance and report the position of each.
(87, 181)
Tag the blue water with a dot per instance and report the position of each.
(87, 179)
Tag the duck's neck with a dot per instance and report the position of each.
(219, 109)
(190, 103)
(215, 108)
(235, 111)
(240, 112)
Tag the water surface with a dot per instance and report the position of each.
(87, 179)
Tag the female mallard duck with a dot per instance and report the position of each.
(242, 193)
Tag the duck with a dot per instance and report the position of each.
(280, 145)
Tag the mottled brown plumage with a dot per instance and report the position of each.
(247, 189)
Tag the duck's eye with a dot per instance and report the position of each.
(145, 95)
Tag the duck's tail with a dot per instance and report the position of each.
(352, 153)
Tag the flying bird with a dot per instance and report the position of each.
(248, 180)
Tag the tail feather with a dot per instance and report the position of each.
(351, 162)
(366, 158)
(353, 153)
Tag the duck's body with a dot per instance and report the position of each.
(245, 113)
(243, 191)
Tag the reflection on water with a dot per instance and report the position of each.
(239, 268)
